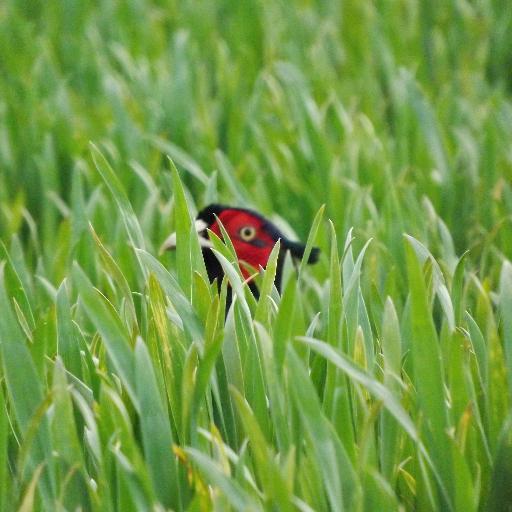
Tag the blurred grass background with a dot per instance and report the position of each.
(396, 115)
(369, 107)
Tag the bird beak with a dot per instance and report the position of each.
(200, 226)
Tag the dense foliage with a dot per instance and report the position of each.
(380, 379)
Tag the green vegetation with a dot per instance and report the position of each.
(380, 379)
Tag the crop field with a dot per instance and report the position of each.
(379, 379)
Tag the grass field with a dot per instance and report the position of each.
(379, 131)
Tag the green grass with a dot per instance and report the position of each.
(381, 378)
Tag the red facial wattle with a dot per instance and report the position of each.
(254, 252)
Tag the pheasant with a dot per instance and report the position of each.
(253, 237)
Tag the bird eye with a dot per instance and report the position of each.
(247, 233)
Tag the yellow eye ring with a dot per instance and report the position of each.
(247, 233)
